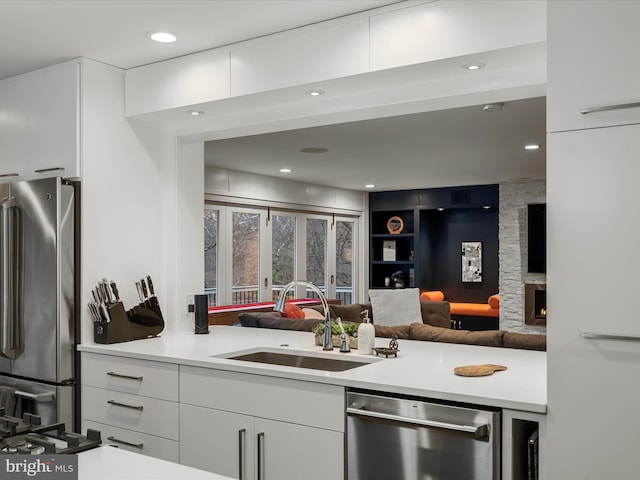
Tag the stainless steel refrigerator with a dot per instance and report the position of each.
(38, 314)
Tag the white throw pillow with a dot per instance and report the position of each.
(398, 306)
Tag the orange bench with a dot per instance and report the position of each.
(489, 309)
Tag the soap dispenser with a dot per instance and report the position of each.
(366, 335)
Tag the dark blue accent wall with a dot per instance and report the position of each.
(446, 218)
(441, 247)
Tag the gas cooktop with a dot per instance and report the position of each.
(27, 435)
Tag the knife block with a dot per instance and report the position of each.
(142, 321)
(115, 331)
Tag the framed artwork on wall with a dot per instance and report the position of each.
(472, 262)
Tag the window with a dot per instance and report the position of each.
(211, 254)
(252, 253)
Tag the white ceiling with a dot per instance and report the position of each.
(458, 146)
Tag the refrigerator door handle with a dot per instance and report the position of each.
(11, 276)
(37, 397)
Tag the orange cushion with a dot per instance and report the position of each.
(476, 309)
(434, 296)
(494, 301)
(292, 311)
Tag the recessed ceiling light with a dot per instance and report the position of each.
(195, 113)
(487, 207)
(473, 66)
(314, 150)
(531, 146)
(285, 170)
(369, 185)
(440, 209)
(162, 37)
(314, 93)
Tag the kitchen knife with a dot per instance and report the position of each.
(114, 289)
(107, 290)
(150, 284)
(144, 288)
(94, 312)
(139, 288)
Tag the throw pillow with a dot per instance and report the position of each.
(494, 301)
(311, 313)
(292, 311)
(398, 306)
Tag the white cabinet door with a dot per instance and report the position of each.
(54, 122)
(217, 441)
(14, 129)
(238, 446)
(593, 193)
(286, 451)
(592, 53)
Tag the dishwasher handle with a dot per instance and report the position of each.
(479, 431)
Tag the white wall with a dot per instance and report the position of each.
(127, 178)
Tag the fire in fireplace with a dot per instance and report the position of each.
(535, 304)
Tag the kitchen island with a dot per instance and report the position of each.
(204, 382)
(109, 463)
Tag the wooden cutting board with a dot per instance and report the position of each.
(478, 370)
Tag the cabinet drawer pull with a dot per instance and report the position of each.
(119, 375)
(5, 175)
(261, 456)
(118, 404)
(124, 442)
(241, 452)
(609, 336)
(605, 108)
(52, 169)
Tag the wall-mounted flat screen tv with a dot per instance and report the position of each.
(537, 238)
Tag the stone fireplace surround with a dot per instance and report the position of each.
(512, 232)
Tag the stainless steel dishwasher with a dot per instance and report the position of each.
(408, 439)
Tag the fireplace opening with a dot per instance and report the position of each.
(540, 303)
(535, 304)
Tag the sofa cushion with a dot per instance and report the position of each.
(400, 331)
(283, 323)
(494, 301)
(436, 313)
(348, 313)
(434, 296)
(399, 306)
(526, 341)
(489, 338)
(312, 313)
(250, 319)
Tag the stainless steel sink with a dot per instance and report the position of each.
(299, 359)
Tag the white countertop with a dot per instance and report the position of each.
(422, 368)
(109, 463)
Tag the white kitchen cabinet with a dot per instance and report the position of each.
(133, 403)
(40, 119)
(248, 426)
(592, 200)
(592, 55)
(54, 121)
(14, 128)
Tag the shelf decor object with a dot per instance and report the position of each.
(389, 251)
(395, 225)
(472, 262)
